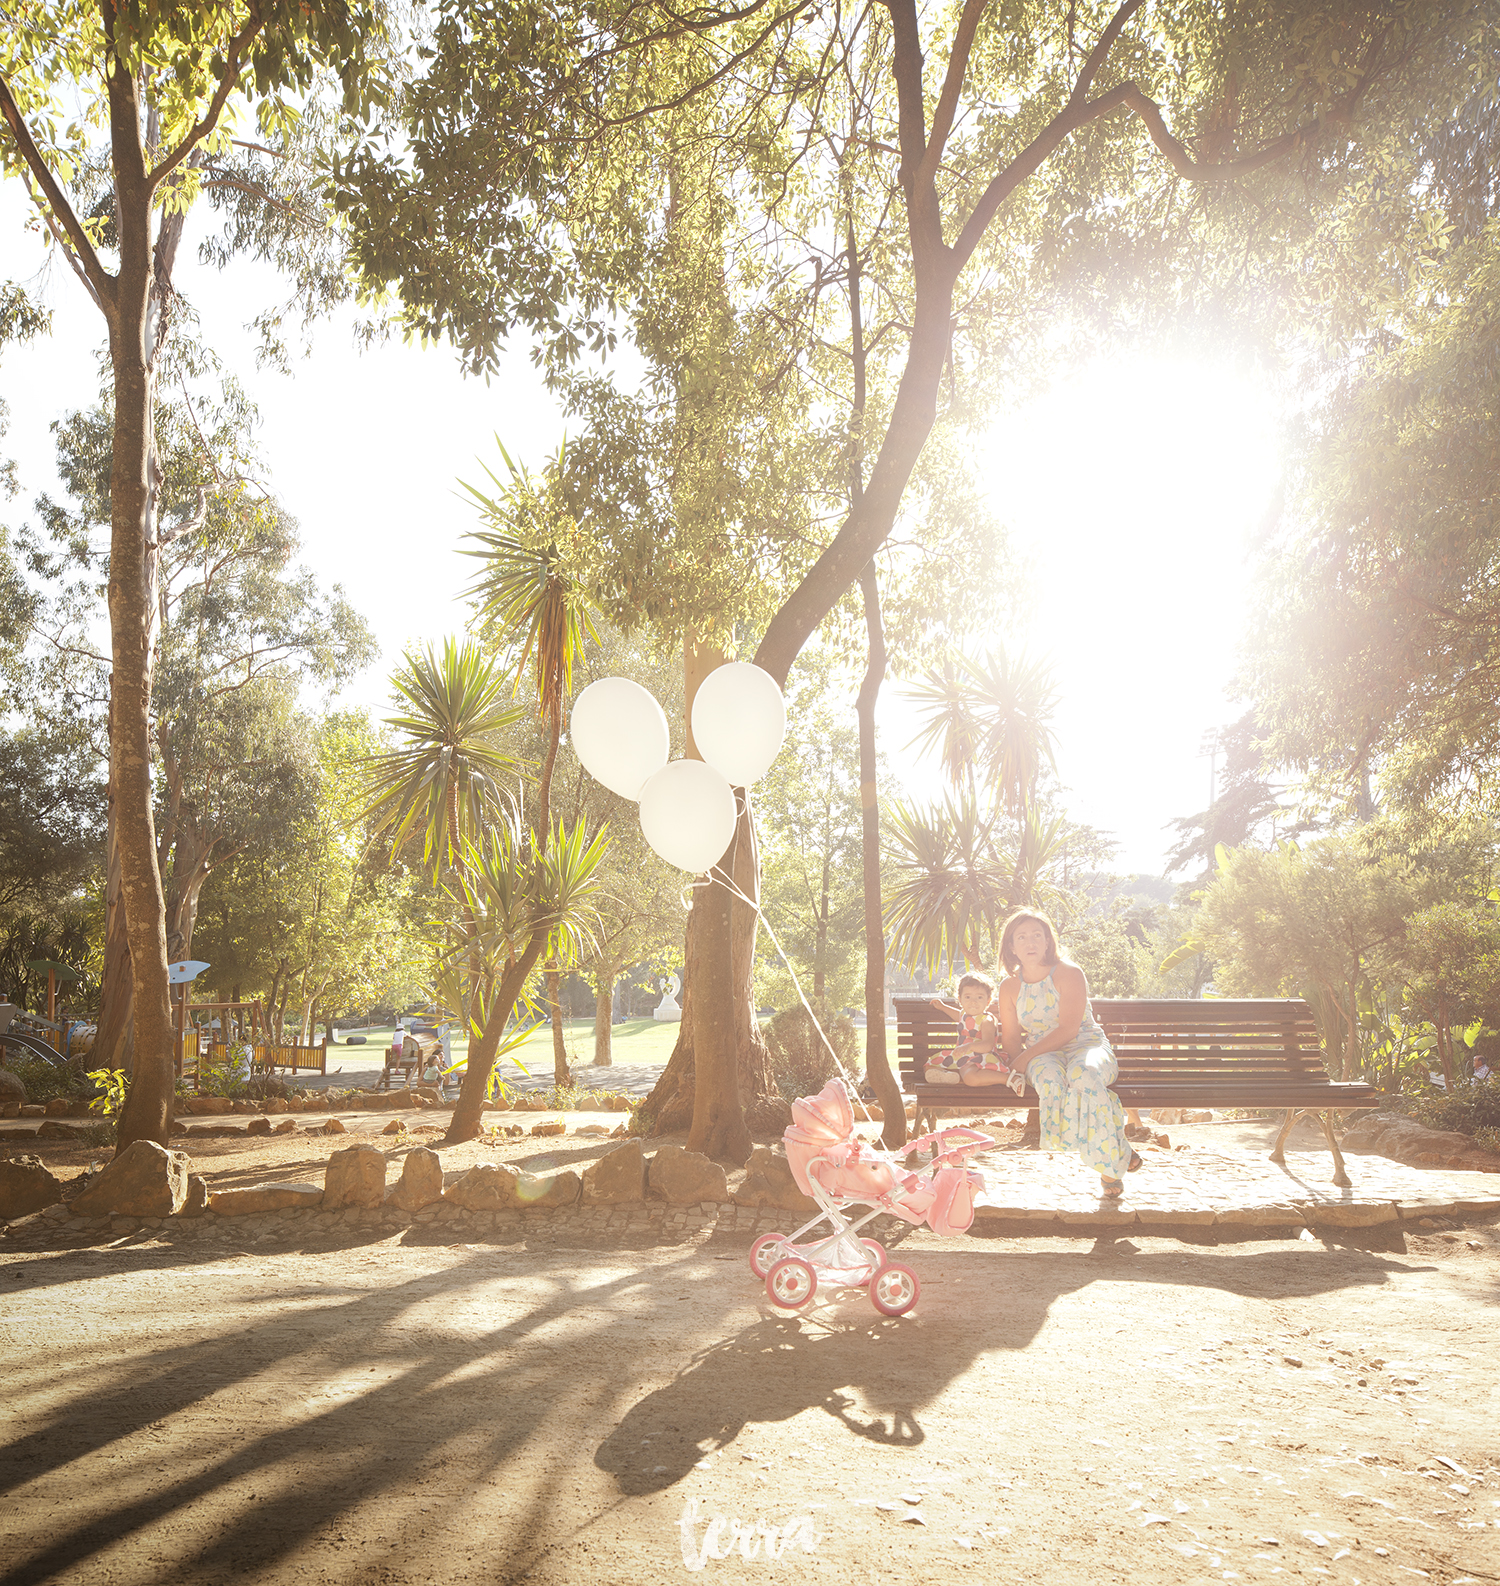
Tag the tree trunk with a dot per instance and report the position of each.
(561, 1074)
(113, 1044)
(604, 1018)
(877, 1060)
(468, 1114)
(135, 335)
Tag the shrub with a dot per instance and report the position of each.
(113, 1085)
(1471, 1106)
(229, 1076)
(44, 1080)
(800, 1062)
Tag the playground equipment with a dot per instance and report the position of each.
(840, 1171)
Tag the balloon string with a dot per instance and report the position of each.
(715, 873)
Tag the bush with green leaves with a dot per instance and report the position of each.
(228, 1075)
(112, 1086)
(1471, 1107)
(801, 1063)
(44, 1080)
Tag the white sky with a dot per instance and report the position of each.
(1128, 493)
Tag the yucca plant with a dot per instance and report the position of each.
(445, 775)
(537, 609)
(526, 899)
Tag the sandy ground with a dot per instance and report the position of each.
(549, 1406)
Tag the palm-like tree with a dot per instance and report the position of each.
(445, 776)
(954, 887)
(988, 721)
(529, 599)
(526, 898)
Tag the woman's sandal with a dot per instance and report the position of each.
(1134, 1164)
(1113, 1189)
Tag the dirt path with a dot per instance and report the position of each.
(553, 1409)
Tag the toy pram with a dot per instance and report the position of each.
(839, 1171)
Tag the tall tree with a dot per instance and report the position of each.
(1008, 130)
(242, 629)
(158, 77)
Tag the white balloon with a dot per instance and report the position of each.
(688, 814)
(739, 721)
(620, 734)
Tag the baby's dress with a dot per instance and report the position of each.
(966, 1032)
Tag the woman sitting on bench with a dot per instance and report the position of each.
(1050, 1034)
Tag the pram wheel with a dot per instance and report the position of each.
(791, 1283)
(877, 1254)
(763, 1253)
(895, 1290)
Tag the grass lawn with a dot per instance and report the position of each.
(635, 1041)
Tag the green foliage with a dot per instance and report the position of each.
(1470, 1107)
(113, 1085)
(43, 1080)
(445, 778)
(228, 1075)
(801, 1063)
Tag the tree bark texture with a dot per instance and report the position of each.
(113, 1045)
(604, 1019)
(467, 1116)
(877, 1059)
(561, 1074)
(136, 326)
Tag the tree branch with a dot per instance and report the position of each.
(100, 282)
(1100, 52)
(953, 85)
(906, 68)
(206, 122)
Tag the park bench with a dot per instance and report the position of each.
(1259, 1053)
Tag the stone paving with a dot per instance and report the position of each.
(1210, 1184)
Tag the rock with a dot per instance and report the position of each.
(58, 1107)
(621, 1133)
(275, 1104)
(334, 1126)
(253, 1198)
(768, 1181)
(197, 1196)
(144, 1180)
(549, 1128)
(25, 1187)
(1197, 1117)
(208, 1106)
(592, 1128)
(683, 1178)
(12, 1091)
(33, 1109)
(355, 1177)
(617, 1177)
(1404, 1140)
(285, 1126)
(395, 1126)
(258, 1126)
(51, 1129)
(488, 1187)
(1166, 1114)
(243, 1107)
(421, 1181)
(1350, 1216)
(1163, 1140)
(558, 1189)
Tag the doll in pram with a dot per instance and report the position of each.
(840, 1172)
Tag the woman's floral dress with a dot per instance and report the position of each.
(1079, 1112)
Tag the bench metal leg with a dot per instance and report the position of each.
(1278, 1151)
(1340, 1177)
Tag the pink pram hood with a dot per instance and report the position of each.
(824, 1156)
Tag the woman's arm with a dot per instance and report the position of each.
(1012, 1037)
(1072, 997)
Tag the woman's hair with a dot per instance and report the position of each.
(1007, 939)
(974, 979)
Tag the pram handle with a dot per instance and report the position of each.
(972, 1140)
